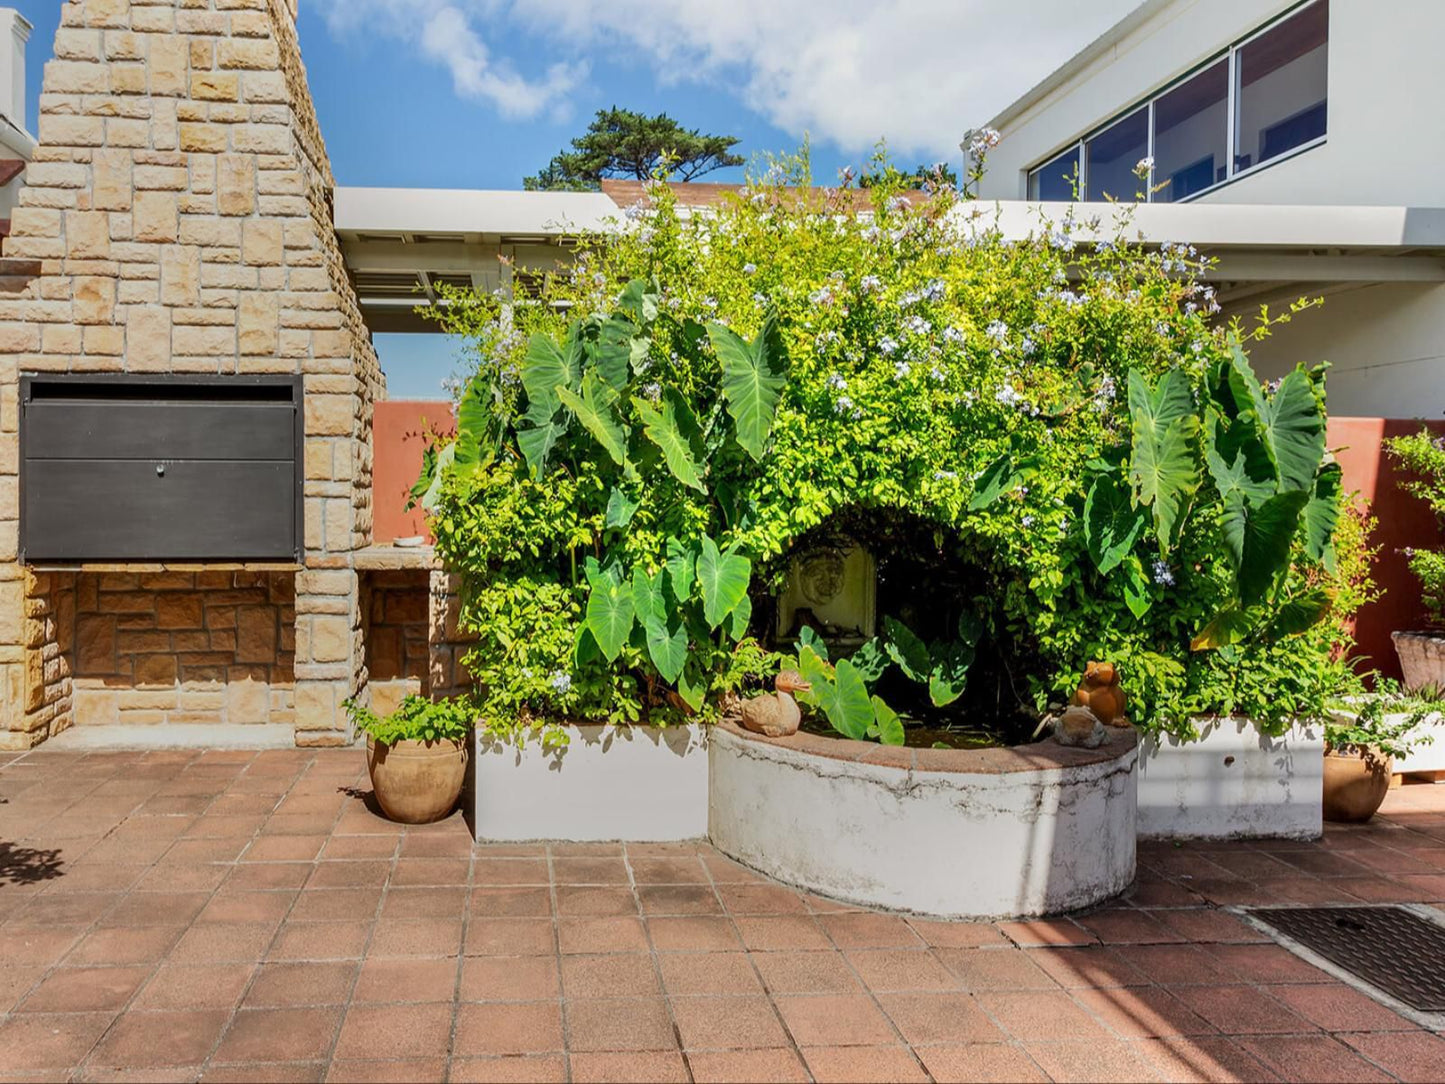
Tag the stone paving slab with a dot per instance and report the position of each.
(245, 916)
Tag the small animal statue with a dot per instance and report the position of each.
(776, 715)
(1100, 693)
(1079, 726)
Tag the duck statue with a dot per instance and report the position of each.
(776, 715)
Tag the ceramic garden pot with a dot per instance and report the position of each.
(1355, 785)
(417, 782)
(1422, 658)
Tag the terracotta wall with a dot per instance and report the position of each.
(401, 427)
(1403, 521)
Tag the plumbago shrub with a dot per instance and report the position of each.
(1423, 455)
(1082, 464)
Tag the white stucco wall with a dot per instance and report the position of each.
(1385, 143)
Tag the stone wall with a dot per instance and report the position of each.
(397, 636)
(177, 218)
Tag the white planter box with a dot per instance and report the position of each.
(1424, 758)
(1233, 783)
(957, 833)
(633, 783)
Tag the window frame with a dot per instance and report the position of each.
(1229, 52)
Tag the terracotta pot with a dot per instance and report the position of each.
(417, 782)
(1355, 785)
(1422, 658)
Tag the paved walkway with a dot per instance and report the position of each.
(243, 916)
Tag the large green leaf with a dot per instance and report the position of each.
(681, 568)
(546, 368)
(1137, 594)
(1162, 468)
(808, 637)
(478, 424)
(537, 442)
(665, 635)
(817, 672)
(1268, 532)
(949, 676)
(740, 618)
(998, 478)
(613, 351)
(1229, 626)
(692, 685)
(907, 650)
(723, 578)
(1111, 522)
(1322, 513)
(593, 408)
(662, 428)
(1237, 458)
(887, 723)
(849, 707)
(610, 614)
(753, 378)
(1300, 614)
(871, 660)
(620, 508)
(639, 298)
(1294, 428)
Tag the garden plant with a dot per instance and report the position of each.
(1054, 447)
(1422, 454)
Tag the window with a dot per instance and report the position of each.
(1270, 90)
(1281, 95)
(1191, 135)
(1057, 179)
(1112, 156)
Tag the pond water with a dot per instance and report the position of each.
(920, 735)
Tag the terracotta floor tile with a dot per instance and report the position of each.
(685, 974)
(283, 985)
(524, 902)
(142, 1040)
(835, 1020)
(731, 1066)
(669, 871)
(588, 901)
(940, 1018)
(336, 905)
(1265, 964)
(1177, 964)
(320, 941)
(421, 1070)
(356, 874)
(37, 1043)
(854, 1064)
(285, 849)
(1314, 1058)
(63, 909)
(1041, 1014)
(156, 909)
(590, 871)
(979, 1062)
(1207, 925)
(693, 933)
(870, 931)
(509, 936)
(527, 1027)
(1201, 1057)
(416, 937)
(1241, 1010)
(1334, 1006)
(531, 1069)
(998, 969)
(15, 982)
(255, 908)
(1089, 966)
(619, 1024)
(1108, 1060)
(439, 902)
(942, 934)
(724, 1023)
(590, 935)
(431, 871)
(394, 1031)
(679, 899)
(119, 946)
(611, 975)
(1416, 1056)
(770, 933)
(806, 972)
(1140, 1012)
(224, 942)
(268, 876)
(1037, 933)
(86, 989)
(195, 986)
(510, 978)
(660, 1066)
(290, 1034)
(1120, 925)
(901, 969)
(353, 847)
(761, 899)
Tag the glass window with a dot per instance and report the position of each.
(1056, 180)
(1113, 155)
(1282, 87)
(1191, 135)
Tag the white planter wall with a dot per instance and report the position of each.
(1234, 783)
(634, 783)
(1031, 839)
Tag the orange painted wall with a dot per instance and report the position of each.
(400, 428)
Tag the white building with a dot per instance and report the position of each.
(16, 142)
(1322, 113)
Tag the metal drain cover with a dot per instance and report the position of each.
(1389, 947)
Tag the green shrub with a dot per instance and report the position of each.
(417, 718)
(1423, 455)
(711, 393)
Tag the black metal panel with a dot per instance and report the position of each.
(1390, 948)
(160, 469)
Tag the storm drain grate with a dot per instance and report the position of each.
(1388, 947)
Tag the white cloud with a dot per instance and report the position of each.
(919, 72)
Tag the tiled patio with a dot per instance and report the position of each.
(243, 916)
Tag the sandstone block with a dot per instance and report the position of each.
(168, 59)
(148, 338)
(259, 54)
(178, 611)
(105, 341)
(247, 701)
(156, 217)
(62, 130)
(262, 243)
(95, 644)
(258, 324)
(94, 299)
(87, 235)
(76, 77)
(236, 184)
(112, 180)
(203, 341)
(215, 86)
(123, 132)
(95, 707)
(255, 634)
(115, 13)
(127, 79)
(204, 138)
(181, 275)
(328, 415)
(156, 670)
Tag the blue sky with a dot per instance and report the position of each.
(479, 93)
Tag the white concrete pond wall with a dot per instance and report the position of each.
(638, 783)
(1031, 830)
(1233, 783)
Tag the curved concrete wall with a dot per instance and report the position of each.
(970, 833)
